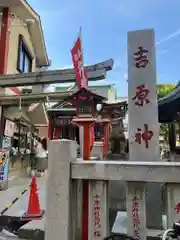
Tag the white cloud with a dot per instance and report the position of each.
(169, 37)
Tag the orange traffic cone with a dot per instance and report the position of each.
(34, 211)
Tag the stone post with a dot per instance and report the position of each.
(58, 209)
(98, 210)
(173, 203)
(86, 123)
(143, 123)
(136, 209)
(76, 215)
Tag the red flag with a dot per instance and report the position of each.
(77, 58)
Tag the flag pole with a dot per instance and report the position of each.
(80, 36)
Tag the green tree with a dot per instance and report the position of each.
(162, 91)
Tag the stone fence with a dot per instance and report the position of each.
(66, 174)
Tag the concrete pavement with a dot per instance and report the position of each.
(33, 229)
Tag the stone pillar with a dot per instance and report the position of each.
(136, 209)
(76, 216)
(172, 190)
(86, 123)
(143, 123)
(98, 210)
(58, 210)
(173, 203)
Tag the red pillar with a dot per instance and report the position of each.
(92, 138)
(4, 39)
(50, 129)
(4, 47)
(87, 124)
(105, 139)
(57, 130)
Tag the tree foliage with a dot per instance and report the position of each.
(162, 91)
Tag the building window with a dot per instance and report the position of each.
(24, 62)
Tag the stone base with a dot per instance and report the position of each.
(33, 230)
(27, 217)
(4, 186)
(35, 234)
(38, 234)
(116, 237)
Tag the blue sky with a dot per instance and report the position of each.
(105, 24)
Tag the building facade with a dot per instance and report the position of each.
(22, 50)
(23, 47)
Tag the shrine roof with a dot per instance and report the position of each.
(75, 88)
(117, 107)
(115, 104)
(62, 111)
(169, 106)
(84, 90)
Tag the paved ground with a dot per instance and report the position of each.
(17, 182)
(18, 178)
(20, 207)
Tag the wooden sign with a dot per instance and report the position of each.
(9, 128)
